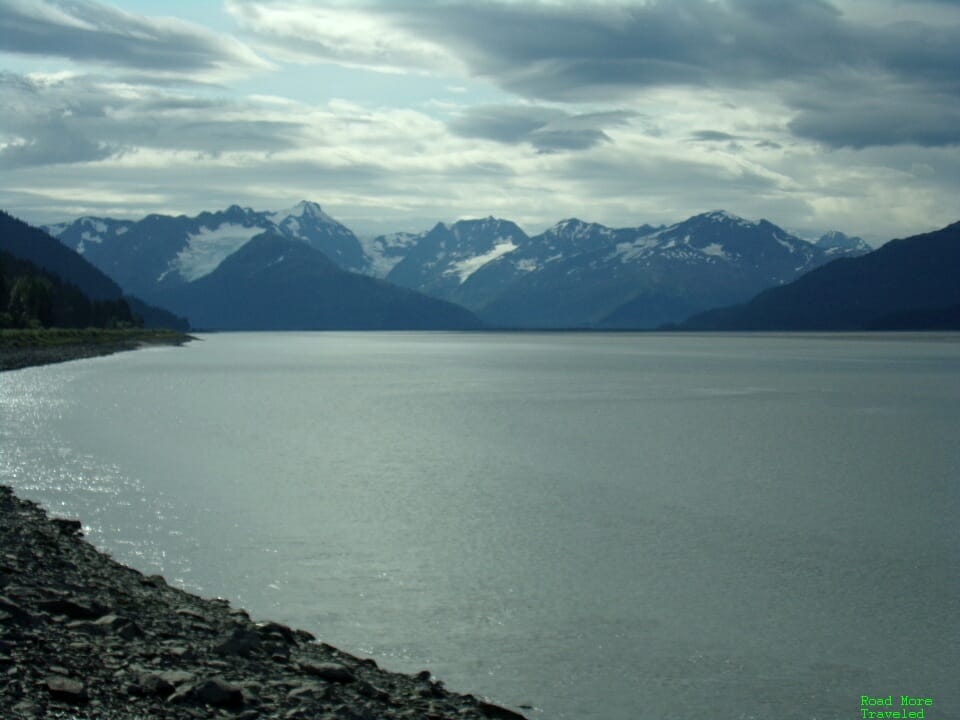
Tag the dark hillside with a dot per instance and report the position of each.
(907, 284)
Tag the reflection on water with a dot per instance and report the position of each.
(602, 526)
(43, 465)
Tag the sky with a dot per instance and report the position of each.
(396, 114)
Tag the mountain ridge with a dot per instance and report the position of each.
(574, 274)
(276, 283)
(908, 283)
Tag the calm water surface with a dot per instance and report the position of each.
(613, 527)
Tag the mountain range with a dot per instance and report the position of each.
(243, 269)
(575, 274)
(910, 283)
(579, 274)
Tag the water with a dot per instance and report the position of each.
(599, 526)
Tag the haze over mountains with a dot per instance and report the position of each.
(575, 274)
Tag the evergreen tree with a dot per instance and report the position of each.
(31, 301)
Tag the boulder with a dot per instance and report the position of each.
(241, 642)
(331, 672)
(66, 689)
(219, 693)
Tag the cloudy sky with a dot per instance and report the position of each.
(394, 114)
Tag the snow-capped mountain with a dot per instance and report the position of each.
(836, 243)
(275, 282)
(306, 221)
(161, 251)
(575, 274)
(585, 274)
(717, 237)
(443, 261)
(473, 262)
(243, 269)
(86, 231)
(907, 284)
(579, 274)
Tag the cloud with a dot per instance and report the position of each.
(615, 111)
(713, 136)
(548, 129)
(71, 119)
(88, 31)
(589, 52)
(309, 32)
(904, 115)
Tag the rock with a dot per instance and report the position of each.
(14, 612)
(219, 693)
(67, 690)
(76, 610)
(498, 713)
(88, 627)
(277, 630)
(305, 691)
(68, 527)
(27, 708)
(176, 677)
(331, 672)
(127, 629)
(179, 652)
(241, 642)
(153, 685)
(371, 691)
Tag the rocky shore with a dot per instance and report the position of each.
(83, 637)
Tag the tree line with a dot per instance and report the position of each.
(32, 298)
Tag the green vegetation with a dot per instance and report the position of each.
(21, 348)
(32, 298)
(34, 338)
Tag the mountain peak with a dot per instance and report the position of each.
(836, 241)
(305, 210)
(723, 216)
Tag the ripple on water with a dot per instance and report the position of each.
(42, 465)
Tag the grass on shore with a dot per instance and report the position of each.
(63, 337)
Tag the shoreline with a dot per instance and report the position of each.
(85, 637)
(28, 348)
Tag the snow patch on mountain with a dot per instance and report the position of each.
(387, 251)
(636, 249)
(713, 250)
(783, 242)
(466, 268)
(208, 248)
(88, 237)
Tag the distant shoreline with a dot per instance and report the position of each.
(27, 348)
